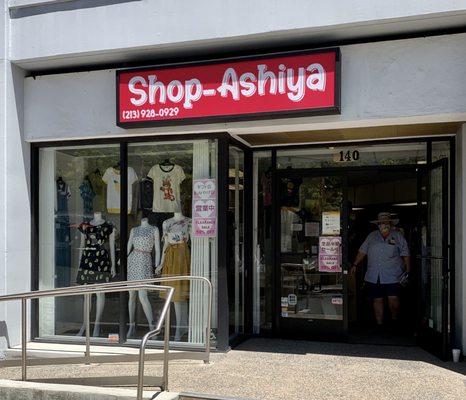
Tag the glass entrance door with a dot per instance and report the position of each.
(434, 264)
(311, 253)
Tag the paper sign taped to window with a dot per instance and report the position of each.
(331, 223)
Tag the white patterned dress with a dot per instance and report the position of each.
(140, 265)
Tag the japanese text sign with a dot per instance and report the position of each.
(330, 253)
(204, 207)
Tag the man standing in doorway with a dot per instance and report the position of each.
(388, 263)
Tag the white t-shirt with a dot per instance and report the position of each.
(167, 182)
(112, 178)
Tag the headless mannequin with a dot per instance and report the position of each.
(100, 297)
(142, 294)
(181, 307)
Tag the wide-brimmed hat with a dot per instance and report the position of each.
(385, 217)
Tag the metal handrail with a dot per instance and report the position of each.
(118, 286)
(87, 291)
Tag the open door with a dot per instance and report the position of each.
(434, 260)
(311, 255)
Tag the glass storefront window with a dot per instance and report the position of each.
(79, 214)
(79, 236)
(262, 245)
(309, 287)
(344, 156)
(160, 232)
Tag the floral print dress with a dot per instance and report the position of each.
(95, 265)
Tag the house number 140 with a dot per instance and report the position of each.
(349, 155)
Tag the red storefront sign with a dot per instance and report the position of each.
(280, 85)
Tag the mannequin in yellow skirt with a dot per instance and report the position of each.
(176, 260)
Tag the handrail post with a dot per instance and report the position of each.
(166, 343)
(87, 311)
(24, 339)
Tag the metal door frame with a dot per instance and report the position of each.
(276, 226)
(440, 347)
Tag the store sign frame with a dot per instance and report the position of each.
(290, 84)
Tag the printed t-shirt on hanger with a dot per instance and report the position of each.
(167, 182)
(112, 178)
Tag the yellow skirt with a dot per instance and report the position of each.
(177, 261)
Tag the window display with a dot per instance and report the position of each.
(166, 171)
(78, 238)
(79, 235)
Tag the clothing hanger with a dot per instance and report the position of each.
(117, 165)
(60, 180)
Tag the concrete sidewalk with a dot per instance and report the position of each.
(279, 369)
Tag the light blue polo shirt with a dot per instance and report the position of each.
(384, 260)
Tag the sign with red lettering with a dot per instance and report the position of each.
(287, 84)
(330, 254)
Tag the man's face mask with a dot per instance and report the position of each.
(384, 229)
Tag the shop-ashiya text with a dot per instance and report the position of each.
(285, 81)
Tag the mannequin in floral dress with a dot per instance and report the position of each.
(97, 264)
(176, 260)
(143, 241)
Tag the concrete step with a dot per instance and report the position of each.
(14, 390)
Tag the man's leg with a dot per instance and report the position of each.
(394, 306)
(378, 310)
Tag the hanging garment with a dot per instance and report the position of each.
(167, 182)
(98, 187)
(289, 192)
(146, 196)
(266, 181)
(62, 236)
(112, 178)
(95, 265)
(140, 264)
(87, 194)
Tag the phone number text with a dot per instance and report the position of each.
(150, 113)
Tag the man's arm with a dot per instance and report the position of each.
(359, 257)
(407, 262)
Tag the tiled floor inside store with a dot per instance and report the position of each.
(280, 369)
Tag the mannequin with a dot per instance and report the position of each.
(89, 251)
(142, 241)
(176, 260)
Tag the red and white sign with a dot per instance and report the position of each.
(288, 84)
(204, 207)
(330, 254)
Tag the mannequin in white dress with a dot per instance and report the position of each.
(98, 221)
(143, 240)
(176, 261)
